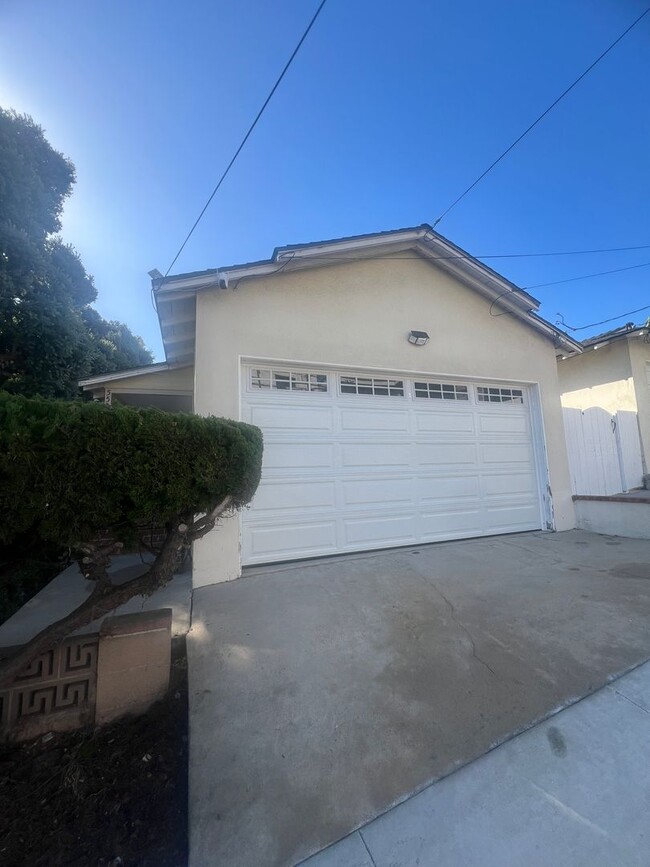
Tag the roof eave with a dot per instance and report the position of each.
(598, 341)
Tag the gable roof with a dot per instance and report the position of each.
(175, 296)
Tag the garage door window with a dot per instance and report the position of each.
(441, 391)
(288, 380)
(372, 385)
(499, 395)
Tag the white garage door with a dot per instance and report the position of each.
(354, 462)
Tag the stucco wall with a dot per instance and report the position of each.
(639, 357)
(598, 377)
(359, 314)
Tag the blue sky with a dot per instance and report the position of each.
(390, 110)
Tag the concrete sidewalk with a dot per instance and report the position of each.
(69, 589)
(573, 791)
(324, 693)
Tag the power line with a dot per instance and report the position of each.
(602, 321)
(247, 136)
(487, 255)
(541, 117)
(587, 276)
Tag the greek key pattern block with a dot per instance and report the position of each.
(59, 680)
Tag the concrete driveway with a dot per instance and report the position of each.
(323, 693)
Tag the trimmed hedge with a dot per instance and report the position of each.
(72, 471)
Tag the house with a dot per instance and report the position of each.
(605, 393)
(165, 386)
(407, 394)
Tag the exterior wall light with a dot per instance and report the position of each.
(418, 338)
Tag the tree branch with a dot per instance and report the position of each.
(106, 596)
(203, 525)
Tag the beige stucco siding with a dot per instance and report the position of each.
(599, 377)
(359, 314)
(640, 359)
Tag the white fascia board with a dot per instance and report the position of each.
(180, 287)
(354, 245)
(482, 278)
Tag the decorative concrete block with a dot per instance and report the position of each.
(55, 692)
(133, 663)
(90, 678)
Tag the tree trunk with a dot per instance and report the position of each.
(103, 599)
(106, 596)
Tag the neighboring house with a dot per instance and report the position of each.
(606, 399)
(165, 386)
(375, 436)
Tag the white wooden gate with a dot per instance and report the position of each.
(604, 451)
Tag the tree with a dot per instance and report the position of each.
(50, 336)
(91, 477)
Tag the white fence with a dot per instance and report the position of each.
(604, 451)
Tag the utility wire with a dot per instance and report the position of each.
(247, 136)
(587, 276)
(602, 321)
(541, 117)
(485, 256)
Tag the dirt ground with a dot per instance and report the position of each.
(111, 797)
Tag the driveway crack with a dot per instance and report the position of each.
(464, 629)
(372, 860)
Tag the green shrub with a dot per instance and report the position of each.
(72, 471)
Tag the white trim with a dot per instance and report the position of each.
(536, 413)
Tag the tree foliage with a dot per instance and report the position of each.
(91, 477)
(50, 337)
(71, 472)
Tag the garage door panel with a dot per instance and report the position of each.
(380, 531)
(442, 524)
(505, 453)
(443, 488)
(281, 496)
(503, 422)
(444, 422)
(445, 454)
(292, 418)
(509, 484)
(370, 421)
(381, 492)
(519, 517)
(287, 456)
(377, 455)
(266, 542)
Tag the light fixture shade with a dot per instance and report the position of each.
(418, 338)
